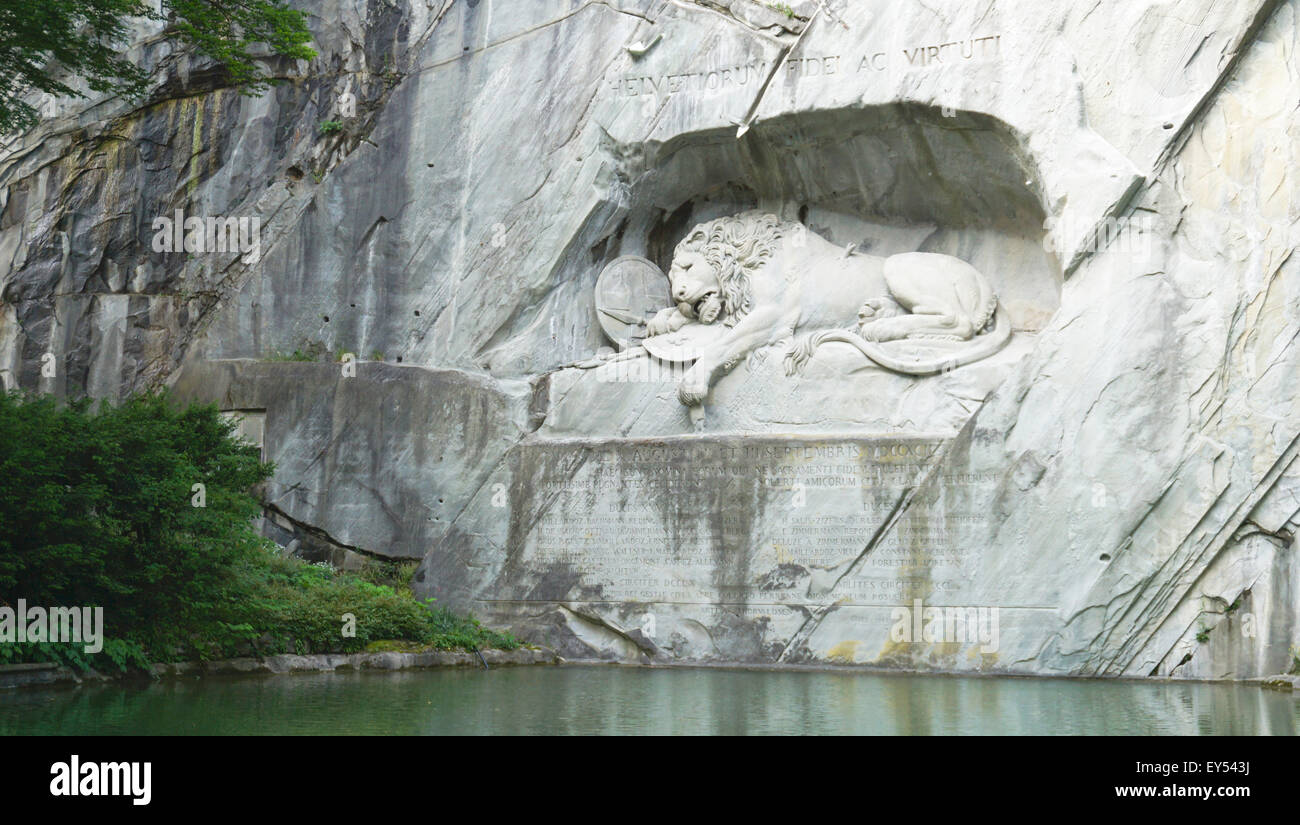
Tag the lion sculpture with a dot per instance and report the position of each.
(767, 279)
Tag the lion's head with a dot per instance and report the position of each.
(712, 266)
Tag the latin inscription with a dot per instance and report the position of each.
(827, 67)
(745, 523)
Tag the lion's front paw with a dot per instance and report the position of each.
(886, 329)
(870, 309)
(692, 390)
(665, 321)
(874, 332)
(877, 309)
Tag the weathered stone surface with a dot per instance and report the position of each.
(414, 444)
(37, 674)
(712, 548)
(1119, 480)
(25, 676)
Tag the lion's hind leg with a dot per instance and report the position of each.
(924, 322)
(940, 291)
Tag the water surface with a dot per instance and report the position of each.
(623, 700)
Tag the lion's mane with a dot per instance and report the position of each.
(736, 247)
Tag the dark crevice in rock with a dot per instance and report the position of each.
(312, 543)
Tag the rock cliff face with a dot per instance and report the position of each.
(1114, 493)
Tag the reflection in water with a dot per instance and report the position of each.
(617, 700)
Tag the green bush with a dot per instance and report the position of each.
(290, 606)
(396, 573)
(98, 508)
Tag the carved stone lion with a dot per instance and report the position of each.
(768, 279)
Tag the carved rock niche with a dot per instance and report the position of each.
(865, 184)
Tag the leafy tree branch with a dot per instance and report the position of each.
(40, 41)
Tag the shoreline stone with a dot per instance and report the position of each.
(48, 674)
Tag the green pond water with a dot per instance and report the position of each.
(619, 700)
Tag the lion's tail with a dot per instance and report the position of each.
(982, 347)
